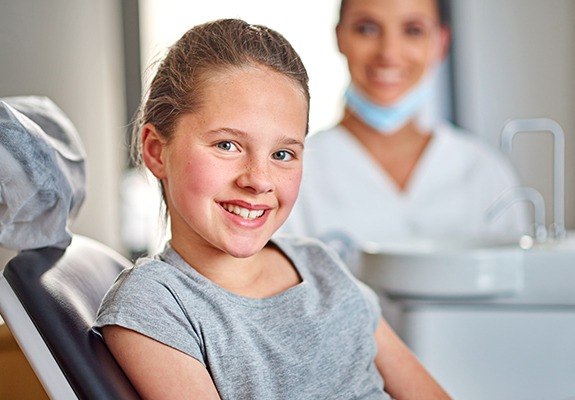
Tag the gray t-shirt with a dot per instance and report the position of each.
(312, 341)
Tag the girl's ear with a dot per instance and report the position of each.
(153, 146)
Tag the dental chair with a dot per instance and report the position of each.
(49, 298)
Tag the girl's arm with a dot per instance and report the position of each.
(404, 376)
(156, 370)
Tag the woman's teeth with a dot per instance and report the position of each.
(388, 75)
(243, 212)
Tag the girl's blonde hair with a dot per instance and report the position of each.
(200, 53)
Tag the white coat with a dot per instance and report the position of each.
(457, 178)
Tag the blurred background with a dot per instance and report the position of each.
(511, 59)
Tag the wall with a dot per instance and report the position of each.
(164, 21)
(515, 59)
(71, 51)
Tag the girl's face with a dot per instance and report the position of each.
(232, 170)
(390, 45)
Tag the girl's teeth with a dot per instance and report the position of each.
(243, 212)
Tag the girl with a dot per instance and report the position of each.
(223, 311)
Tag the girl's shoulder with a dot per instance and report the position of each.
(302, 248)
(160, 273)
(314, 259)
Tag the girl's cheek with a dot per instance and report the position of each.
(293, 186)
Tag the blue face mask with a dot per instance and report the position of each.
(387, 120)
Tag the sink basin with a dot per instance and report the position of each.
(463, 269)
(445, 268)
(493, 313)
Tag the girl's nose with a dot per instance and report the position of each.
(257, 178)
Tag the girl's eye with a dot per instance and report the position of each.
(227, 146)
(283, 155)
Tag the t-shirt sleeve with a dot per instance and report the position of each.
(148, 306)
(372, 301)
(369, 296)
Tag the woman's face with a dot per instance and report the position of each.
(231, 171)
(390, 45)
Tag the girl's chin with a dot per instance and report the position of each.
(246, 251)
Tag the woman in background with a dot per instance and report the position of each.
(382, 174)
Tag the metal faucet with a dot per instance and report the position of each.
(522, 193)
(548, 125)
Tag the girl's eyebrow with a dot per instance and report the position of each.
(284, 140)
(288, 141)
(225, 131)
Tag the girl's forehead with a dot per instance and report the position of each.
(248, 98)
(231, 77)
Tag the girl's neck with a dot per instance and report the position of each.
(265, 274)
